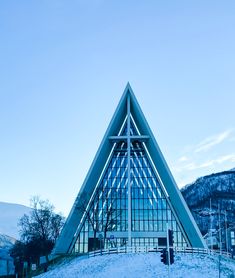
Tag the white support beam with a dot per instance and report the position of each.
(142, 138)
(129, 168)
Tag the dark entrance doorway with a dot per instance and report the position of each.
(94, 244)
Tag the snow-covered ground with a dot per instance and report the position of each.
(143, 265)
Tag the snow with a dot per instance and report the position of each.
(142, 265)
(10, 215)
(6, 242)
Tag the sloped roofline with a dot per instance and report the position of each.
(183, 214)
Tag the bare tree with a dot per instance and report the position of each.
(101, 213)
(39, 229)
(42, 222)
(91, 213)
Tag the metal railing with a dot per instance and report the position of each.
(148, 249)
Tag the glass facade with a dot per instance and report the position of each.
(232, 235)
(107, 213)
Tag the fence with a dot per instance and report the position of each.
(148, 249)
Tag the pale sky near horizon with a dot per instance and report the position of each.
(64, 66)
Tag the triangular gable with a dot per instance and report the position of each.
(175, 196)
(69, 232)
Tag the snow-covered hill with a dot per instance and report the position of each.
(9, 217)
(6, 242)
(142, 265)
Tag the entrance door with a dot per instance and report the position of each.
(94, 244)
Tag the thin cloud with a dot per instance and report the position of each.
(218, 160)
(209, 163)
(183, 159)
(189, 166)
(212, 141)
(225, 158)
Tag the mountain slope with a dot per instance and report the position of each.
(6, 242)
(9, 218)
(219, 189)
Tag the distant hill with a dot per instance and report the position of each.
(9, 218)
(6, 242)
(220, 189)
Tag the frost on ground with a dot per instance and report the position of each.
(143, 265)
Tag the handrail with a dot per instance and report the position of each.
(148, 249)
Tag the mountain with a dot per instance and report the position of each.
(212, 191)
(6, 242)
(9, 218)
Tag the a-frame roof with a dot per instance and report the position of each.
(183, 214)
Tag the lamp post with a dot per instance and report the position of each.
(220, 241)
(226, 230)
(211, 226)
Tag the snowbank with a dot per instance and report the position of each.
(142, 265)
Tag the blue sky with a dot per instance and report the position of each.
(65, 64)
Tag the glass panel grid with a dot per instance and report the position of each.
(109, 209)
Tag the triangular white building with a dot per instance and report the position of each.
(129, 194)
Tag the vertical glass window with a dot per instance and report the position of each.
(108, 211)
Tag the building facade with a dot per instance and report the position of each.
(129, 196)
(231, 240)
